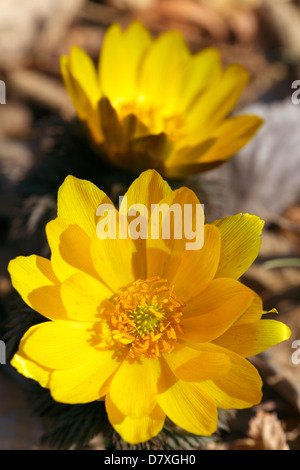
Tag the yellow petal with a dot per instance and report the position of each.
(135, 429)
(129, 253)
(191, 365)
(59, 344)
(119, 61)
(203, 69)
(253, 312)
(149, 188)
(183, 160)
(70, 249)
(230, 137)
(77, 201)
(239, 388)
(76, 93)
(133, 387)
(30, 369)
(251, 339)
(113, 261)
(187, 405)
(86, 109)
(84, 297)
(111, 45)
(211, 313)
(197, 268)
(169, 55)
(83, 70)
(217, 102)
(87, 382)
(183, 171)
(240, 243)
(168, 237)
(34, 279)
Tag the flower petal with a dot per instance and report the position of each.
(183, 171)
(86, 109)
(239, 388)
(168, 237)
(70, 249)
(210, 314)
(253, 313)
(217, 102)
(31, 369)
(119, 60)
(203, 69)
(84, 297)
(169, 55)
(185, 159)
(197, 268)
(34, 279)
(59, 344)
(78, 200)
(149, 188)
(230, 137)
(240, 243)
(135, 429)
(84, 71)
(250, 339)
(77, 95)
(133, 387)
(113, 260)
(87, 382)
(187, 404)
(192, 365)
(90, 377)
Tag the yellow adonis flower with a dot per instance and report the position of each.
(151, 327)
(153, 104)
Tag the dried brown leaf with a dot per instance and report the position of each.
(265, 433)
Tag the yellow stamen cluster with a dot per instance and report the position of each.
(147, 317)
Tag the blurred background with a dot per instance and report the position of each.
(263, 179)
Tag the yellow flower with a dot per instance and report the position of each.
(153, 104)
(151, 327)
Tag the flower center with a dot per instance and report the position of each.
(155, 118)
(147, 317)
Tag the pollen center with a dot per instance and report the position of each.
(147, 317)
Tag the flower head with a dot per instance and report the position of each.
(153, 104)
(153, 328)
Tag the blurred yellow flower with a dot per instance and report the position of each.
(154, 329)
(152, 104)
